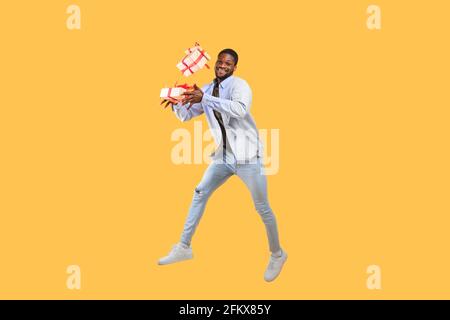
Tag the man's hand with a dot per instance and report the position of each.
(192, 97)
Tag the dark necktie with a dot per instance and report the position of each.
(218, 116)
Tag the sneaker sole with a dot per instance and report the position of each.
(172, 262)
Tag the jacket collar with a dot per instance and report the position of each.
(223, 83)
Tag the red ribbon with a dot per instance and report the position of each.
(184, 86)
(187, 67)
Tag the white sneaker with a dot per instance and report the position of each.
(275, 266)
(180, 252)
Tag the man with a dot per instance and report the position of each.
(226, 103)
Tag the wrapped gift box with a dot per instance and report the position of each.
(174, 94)
(196, 58)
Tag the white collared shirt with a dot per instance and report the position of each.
(234, 105)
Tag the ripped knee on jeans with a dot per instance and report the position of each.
(201, 192)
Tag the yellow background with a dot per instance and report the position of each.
(86, 176)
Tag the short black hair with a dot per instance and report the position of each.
(232, 53)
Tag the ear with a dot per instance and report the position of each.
(234, 69)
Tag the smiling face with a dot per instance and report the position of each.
(225, 66)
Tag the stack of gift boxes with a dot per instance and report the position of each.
(195, 59)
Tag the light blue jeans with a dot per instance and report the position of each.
(216, 174)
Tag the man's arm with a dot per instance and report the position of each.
(237, 107)
(184, 113)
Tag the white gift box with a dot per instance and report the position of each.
(196, 58)
(174, 93)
